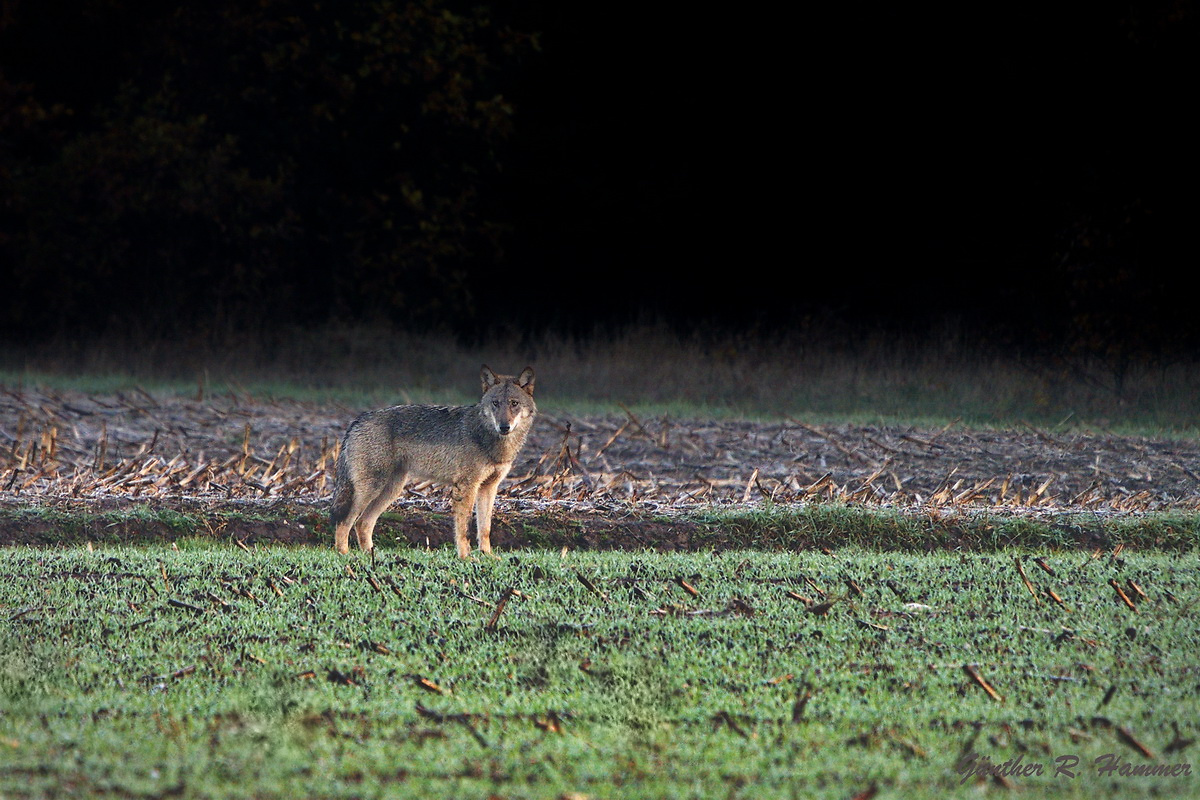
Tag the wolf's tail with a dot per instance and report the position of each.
(343, 491)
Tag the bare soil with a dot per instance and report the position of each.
(260, 469)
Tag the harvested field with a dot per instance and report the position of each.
(132, 449)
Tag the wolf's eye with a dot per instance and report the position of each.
(512, 403)
(495, 404)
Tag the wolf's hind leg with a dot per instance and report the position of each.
(366, 523)
(346, 514)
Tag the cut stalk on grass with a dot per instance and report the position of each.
(376, 586)
(500, 604)
(979, 680)
(550, 723)
(1126, 736)
(429, 685)
(225, 605)
(725, 718)
(171, 601)
(1025, 580)
(1054, 596)
(804, 692)
(687, 587)
(1124, 598)
(739, 606)
(183, 672)
(591, 587)
(872, 626)
(23, 611)
(461, 719)
(822, 608)
(474, 599)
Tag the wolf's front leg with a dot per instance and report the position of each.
(462, 501)
(485, 503)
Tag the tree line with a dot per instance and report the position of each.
(228, 163)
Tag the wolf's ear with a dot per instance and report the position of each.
(487, 378)
(525, 380)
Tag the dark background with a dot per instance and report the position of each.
(1024, 173)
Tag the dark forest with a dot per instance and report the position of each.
(1025, 171)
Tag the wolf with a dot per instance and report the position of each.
(468, 448)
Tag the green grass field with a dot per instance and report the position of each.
(212, 671)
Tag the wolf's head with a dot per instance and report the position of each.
(507, 401)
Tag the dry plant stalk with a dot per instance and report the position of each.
(428, 685)
(1025, 580)
(1126, 736)
(1124, 598)
(822, 608)
(1054, 596)
(589, 585)
(974, 675)
(500, 604)
(375, 585)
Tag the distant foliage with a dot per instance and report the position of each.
(225, 163)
